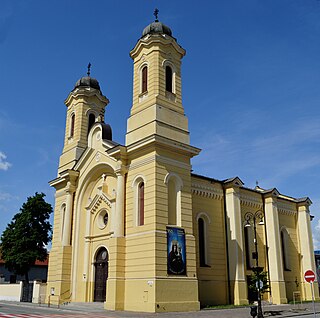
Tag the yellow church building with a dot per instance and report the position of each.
(136, 229)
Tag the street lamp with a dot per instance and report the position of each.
(256, 218)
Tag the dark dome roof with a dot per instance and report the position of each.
(87, 81)
(156, 27)
(106, 131)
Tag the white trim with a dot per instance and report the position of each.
(141, 67)
(285, 253)
(250, 243)
(63, 207)
(92, 271)
(205, 214)
(169, 63)
(178, 188)
(135, 184)
(73, 113)
(206, 220)
(146, 233)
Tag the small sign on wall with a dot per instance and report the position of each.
(176, 251)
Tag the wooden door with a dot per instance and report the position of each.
(101, 275)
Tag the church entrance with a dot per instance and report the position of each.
(101, 275)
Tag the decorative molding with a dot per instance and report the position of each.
(141, 163)
(146, 233)
(89, 238)
(206, 191)
(286, 209)
(251, 201)
(173, 162)
(159, 159)
(97, 200)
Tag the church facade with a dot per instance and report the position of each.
(136, 229)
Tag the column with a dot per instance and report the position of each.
(119, 217)
(86, 260)
(235, 247)
(117, 246)
(306, 248)
(68, 215)
(275, 269)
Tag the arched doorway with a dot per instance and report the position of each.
(101, 275)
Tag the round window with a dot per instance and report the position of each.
(103, 219)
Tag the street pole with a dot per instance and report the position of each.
(314, 306)
(250, 216)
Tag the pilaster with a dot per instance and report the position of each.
(235, 246)
(116, 279)
(274, 250)
(306, 247)
(119, 215)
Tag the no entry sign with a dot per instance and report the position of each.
(309, 276)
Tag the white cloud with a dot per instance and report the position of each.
(4, 165)
(316, 236)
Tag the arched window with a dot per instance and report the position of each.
(138, 187)
(174, 187)
(172, 202)
(62, 219)
(91, 121)
(144, 87)
(141, 203)
(285, 249)
(169, 81)
(202, 242)
(72, 123)
(248, 240)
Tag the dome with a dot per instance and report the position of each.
(87, 81)
(156, 27)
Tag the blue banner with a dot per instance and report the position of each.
(176, 250)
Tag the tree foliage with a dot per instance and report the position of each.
(257, 276)
(24, 240)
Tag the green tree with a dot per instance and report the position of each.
(24, 240)
(257, 276)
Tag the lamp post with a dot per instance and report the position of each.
(256, 218)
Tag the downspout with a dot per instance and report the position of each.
(267, 247)
(227, 245)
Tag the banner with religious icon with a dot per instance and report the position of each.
(176, 251)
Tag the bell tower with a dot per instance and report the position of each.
(85, 105)
(159, 221)
(157, 102)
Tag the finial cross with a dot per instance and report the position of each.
(155, 13)
(89, 66)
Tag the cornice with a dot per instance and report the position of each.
(286, 209)
(65, 177)
(206, 191)
(85, 92)
(250, 201)
(166, 143)
(149, 41)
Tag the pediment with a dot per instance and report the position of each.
(236, 181)
(95, 203)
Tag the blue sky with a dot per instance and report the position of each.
(250, 86)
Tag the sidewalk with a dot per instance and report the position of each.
(242, 312)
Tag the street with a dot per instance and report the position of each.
(95, 310)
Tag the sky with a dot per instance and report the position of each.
(250, 85)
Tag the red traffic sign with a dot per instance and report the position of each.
(309, 276)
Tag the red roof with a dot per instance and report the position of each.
(37, 263)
